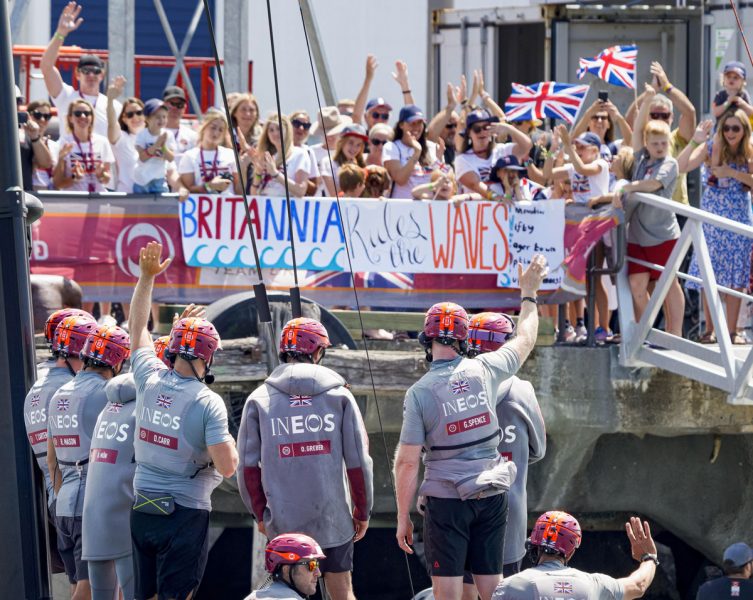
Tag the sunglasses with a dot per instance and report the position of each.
(451, 126)
(732, 128)
(41, 116)
(662, 116)
(298, 124)
(90, 70)
(480, 128)
(312, 564)
(133, 113)
(82, 113)
(379, 116)
(600, 118)
(376, 142)
(177, 103)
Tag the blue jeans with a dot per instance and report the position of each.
(155, 186)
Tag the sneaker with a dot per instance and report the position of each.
(570, 334)
(581, 333)
(602, 335)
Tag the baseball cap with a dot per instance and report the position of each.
(375, 102)
(736, 66)
(411, 113)
(173, 91)
(354, 130)
(589, 139)
(738, 555)
(477, 116)
(90, 60)
(152, 105)
(506, 162)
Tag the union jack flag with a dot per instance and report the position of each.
(532, 189)
(63, 404)
(459, 386)
(563, 587)
(545, 99)
(615, 65)
(297, 400)
(164, 401)
(335, 279)
(114, 407)
(35, 400)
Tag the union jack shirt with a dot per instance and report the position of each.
(615, 65)
(164, 401)
(545, 99)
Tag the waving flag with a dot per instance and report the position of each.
(531, 189)
(615, 65)
(545, 99)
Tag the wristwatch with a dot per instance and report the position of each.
(652, 557)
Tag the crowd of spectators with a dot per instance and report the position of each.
(467, 151)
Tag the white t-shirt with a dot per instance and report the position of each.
(205, 165)
(99, 102)
(421, 173)
(297, 161)
(126, 159)
(90, 155)
(185, 138)
(155, 167)
(470, 162)
(314, 170)
(41, 179)
(586, 187)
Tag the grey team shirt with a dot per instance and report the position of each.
(205, 424)
(277, 591)
(552, 580)
(50, 380)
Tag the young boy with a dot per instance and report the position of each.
(652, 232)
(351, 180)
(156, 149)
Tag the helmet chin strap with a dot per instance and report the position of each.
(70, 368)
(208, 377)
(290, 583)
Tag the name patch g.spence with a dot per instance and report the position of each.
(468, 424)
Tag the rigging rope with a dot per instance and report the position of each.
(353, 283)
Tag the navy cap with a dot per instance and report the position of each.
(506, 162)
(589, 139)
(738, 555)
(354, 130)
(374, 102)
(477, 116)
(411, 113)
(736, 66)
(152, 105)
(90, 60)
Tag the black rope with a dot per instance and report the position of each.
(355, 289)
(295, 298)
(260, 290)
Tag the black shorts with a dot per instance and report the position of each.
(508, 570)
(69, 547)
(339, 559)
(169, 552)
(465, 535)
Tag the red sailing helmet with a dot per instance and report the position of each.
(160, 345)
(106, 346)
(488, 331)
(446, 322)
(557, 532)
(55, 319)
(290, 549)
(194, 337)
(71, 334)
(303, 336)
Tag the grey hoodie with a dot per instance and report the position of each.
(301, 435)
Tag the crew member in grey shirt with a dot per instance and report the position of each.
(451, 413)
(71, 417)
(554, 539)
(183, 447)
(299, 432)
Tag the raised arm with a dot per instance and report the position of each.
(582, 125)
(114, 90)
(522, 141)
(693, 155)
(680, 101)
(151, 265)
(443, 117)
(69, 21)
(632, 110)
(618, 120)
(642, 118)
(363, 93)
(528, 321)
(401, 76)
(489, 103)
(41, 153)
(582, 168)
(641, 546)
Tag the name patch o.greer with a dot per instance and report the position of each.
(158, 439)
(468, 424)
(297, 449)
(35, 437)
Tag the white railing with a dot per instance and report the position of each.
(723, 365)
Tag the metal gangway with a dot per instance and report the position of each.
(722, 365)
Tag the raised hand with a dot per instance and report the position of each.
(32, 129)
(190, 311)
(371, 66)
(160, 141)
(413, 143)
(150, 260)
(658, 72)
(102, 172)
(77, 170)
(65, 150)
(69, 19)
(703, 130)
(116, 87)
(640, 538)
(531, 279)
(563, 134)
(401, 74)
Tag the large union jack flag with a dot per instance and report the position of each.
(615, 65)
(545, 99)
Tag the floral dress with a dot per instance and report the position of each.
(730, 253)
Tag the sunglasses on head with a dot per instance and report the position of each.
(480, 128)
(380, 116)
(133, 113)
(41, 116)
(177, 103)
(312, 564)
(82, 113)
(732, 128)
(298, 124)
(90, 70)
(600, 118)
(376, 142)
(663, 116)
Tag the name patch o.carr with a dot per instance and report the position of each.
(467, 424)
(158, 439)
(297, 449)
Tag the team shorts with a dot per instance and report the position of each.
(465, 535)
(508, 570)
(657, 255)
(169, 552)
(339, 559)
(69, 547)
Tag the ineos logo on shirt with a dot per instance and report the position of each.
(509, 435)
(36, 416)
(111, 430)
(63, 421)
(158, 417)
(302, 424)
(127, 249)
(459, 405)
